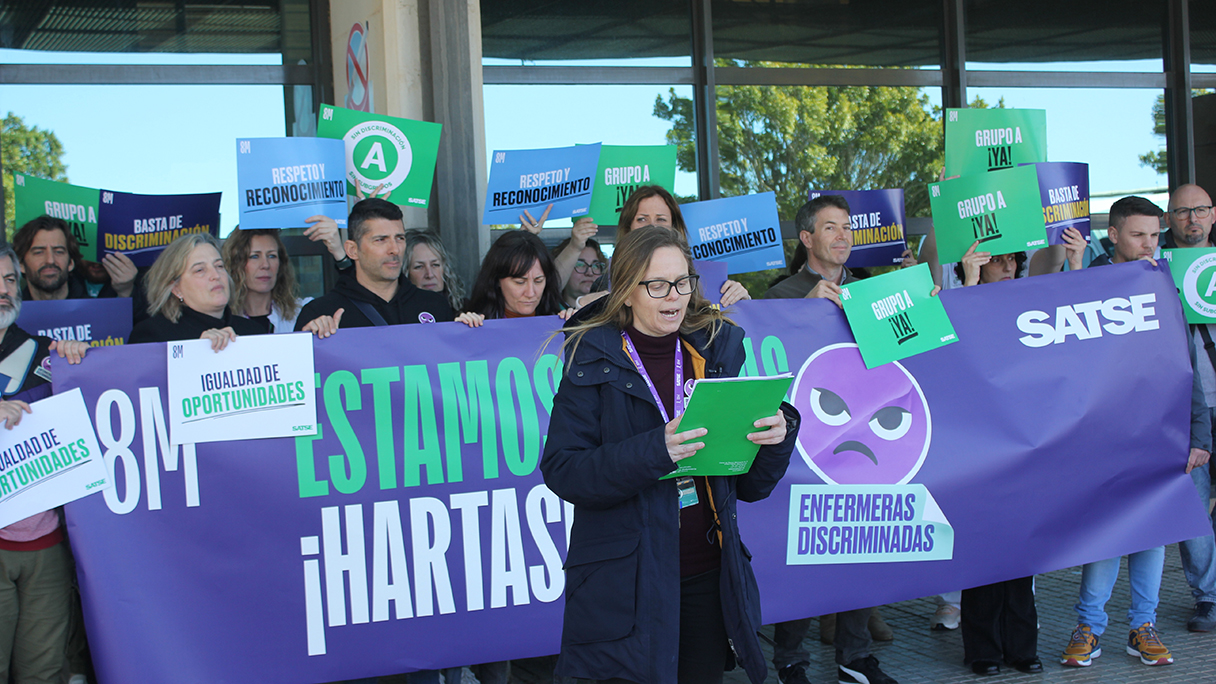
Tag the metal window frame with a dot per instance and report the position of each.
(953, 78)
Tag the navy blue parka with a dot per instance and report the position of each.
(605, 453)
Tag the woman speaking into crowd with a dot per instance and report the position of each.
(659, 587)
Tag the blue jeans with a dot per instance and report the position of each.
(1098, 580)
(1199, 554)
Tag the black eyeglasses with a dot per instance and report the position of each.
(1201, 212)
(661, 288)
(594, 268)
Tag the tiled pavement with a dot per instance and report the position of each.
(920, 656)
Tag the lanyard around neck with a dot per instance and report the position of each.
(678, 395)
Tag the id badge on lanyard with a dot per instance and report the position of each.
(686, 488)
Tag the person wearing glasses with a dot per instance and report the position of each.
(1190, 221)
(590, 265)
(659, 587)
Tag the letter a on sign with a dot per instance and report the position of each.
(375, 156)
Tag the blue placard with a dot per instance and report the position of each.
(140, 226)
(878, 225)
(713, 277)
(100, 322)
(533, 179)
(283, 181)
(742, 231)
(1064, 188)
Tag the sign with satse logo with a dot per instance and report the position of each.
(1194, 273)
(258, 386)
(398, 154)
(1000, 210)
(893, 315)
(982, 140)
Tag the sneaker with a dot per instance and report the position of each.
(946, 617)
(1144, 642)
(863, 671)
(793, 674)
(1082, 648)
(1204, 619)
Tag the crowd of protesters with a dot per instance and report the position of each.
(643, 612)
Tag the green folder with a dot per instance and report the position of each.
(728, 407)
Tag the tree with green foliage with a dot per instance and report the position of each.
(29, 150)
(790, 139)
(1159, 159)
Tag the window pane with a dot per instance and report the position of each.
(1092, 37)
(529, 117)
(1107, 128)
(152, 139)
(537, 31)
(161, 27)
(866, 33)
(1203, 36)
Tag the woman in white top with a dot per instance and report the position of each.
(263, 281)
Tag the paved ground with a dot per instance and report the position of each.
(920, 656)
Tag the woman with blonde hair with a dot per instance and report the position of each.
(188, 291)
(263, 280)
(658, 585)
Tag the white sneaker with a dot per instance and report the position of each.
(78, 679)
(946, 617)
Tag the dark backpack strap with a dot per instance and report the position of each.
(371, 313)
(1208, 345)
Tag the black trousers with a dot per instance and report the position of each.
(1000, 622)
(703, 645)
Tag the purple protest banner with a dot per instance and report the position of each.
(878, 225)
(1064, 187)
(100, 322)
(417, 518)
(140, 226)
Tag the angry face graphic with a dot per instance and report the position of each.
(860, 426)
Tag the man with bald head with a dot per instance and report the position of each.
(1190, 219)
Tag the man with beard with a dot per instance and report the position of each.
(826, 232)
(49, 257)
(35, 565)
(1190, 219)
(376, 291)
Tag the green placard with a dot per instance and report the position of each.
(728, 408)
(1194, 272)
(622, 169)
(74, 204)
(383, 150)
(1002, 210)
(981, 140)
(893, 315)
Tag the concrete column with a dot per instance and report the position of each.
(454, 61)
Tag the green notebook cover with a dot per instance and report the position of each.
(728, 407)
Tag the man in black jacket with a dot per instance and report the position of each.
(375, 291)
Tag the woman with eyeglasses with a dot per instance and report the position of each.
(590, 265)
(659, 587)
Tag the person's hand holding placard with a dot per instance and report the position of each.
(896, 315)
(1001, 210)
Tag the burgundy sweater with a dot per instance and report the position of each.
(699, 550)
